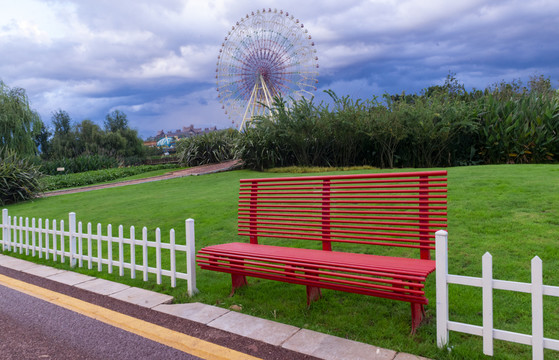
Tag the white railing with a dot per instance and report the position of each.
(487, 283)
(49, 239)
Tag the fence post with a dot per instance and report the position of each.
(40, 235)
(99, 248)
(145, 263)
(172, 258)
(5, 230)
(190, 258)
(33, 231)
(21, 227)
(537, 309)
(132, 252)
(158, 256)
(110, 248)
(27, 236)
(487, 303)
(72, 231)
(121, 250)
(441, 240)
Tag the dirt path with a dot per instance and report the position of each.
(196, 170)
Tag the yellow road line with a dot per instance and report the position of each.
(174, 339)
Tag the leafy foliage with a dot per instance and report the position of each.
(19, 178)
(98, 176)
(77, 164)
(442, 126)
(519, 129)
(79, 147)
(19, 124)
(213, 147)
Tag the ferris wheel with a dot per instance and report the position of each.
(266, 54)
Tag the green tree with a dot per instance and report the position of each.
(120, 139)
(116, 121)
(89, 137)
(19, 124)
(64, 142)
(42, 141)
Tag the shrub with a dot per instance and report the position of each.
(519, 129)
(79, 164)
(213, 147)
(98, 176)
(443, 126)
(260, 148)
(19, 178)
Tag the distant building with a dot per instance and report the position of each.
(178, 134)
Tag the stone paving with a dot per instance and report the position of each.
(304, 341)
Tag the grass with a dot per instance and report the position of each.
(508, 210)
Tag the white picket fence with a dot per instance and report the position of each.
(49, 239)
(487, 283)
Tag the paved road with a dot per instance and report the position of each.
(63, 350)
(36, 329)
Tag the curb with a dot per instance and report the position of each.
(289, 337)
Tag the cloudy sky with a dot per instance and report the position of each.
(156, 60)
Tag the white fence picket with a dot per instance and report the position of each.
(15, 237)
(132, 252)
(487, 283)
(190, 262)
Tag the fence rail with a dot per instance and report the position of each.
(487, 283)
(49, 239)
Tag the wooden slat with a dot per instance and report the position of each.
(352, 177)
(401, 210)
(359, 273)
(336, 208)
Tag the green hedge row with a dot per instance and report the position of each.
(83, 163)
(50, 183)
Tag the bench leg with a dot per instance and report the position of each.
(417, 315)
(417, 312)
(237, 281)
(313, 294)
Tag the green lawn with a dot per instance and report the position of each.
(509, 210)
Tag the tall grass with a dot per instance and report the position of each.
(391, 133)
(441, 126)
(208, 148)
(437, 128)
(519, 129)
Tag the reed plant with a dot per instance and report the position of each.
(439, 127)
(519, 129)
(213, 147)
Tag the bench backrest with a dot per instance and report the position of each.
(391, 209)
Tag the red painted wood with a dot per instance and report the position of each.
(401, 210)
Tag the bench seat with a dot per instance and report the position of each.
(382, 276)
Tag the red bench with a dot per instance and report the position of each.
(313, 214)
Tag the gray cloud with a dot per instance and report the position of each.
(156, 60)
